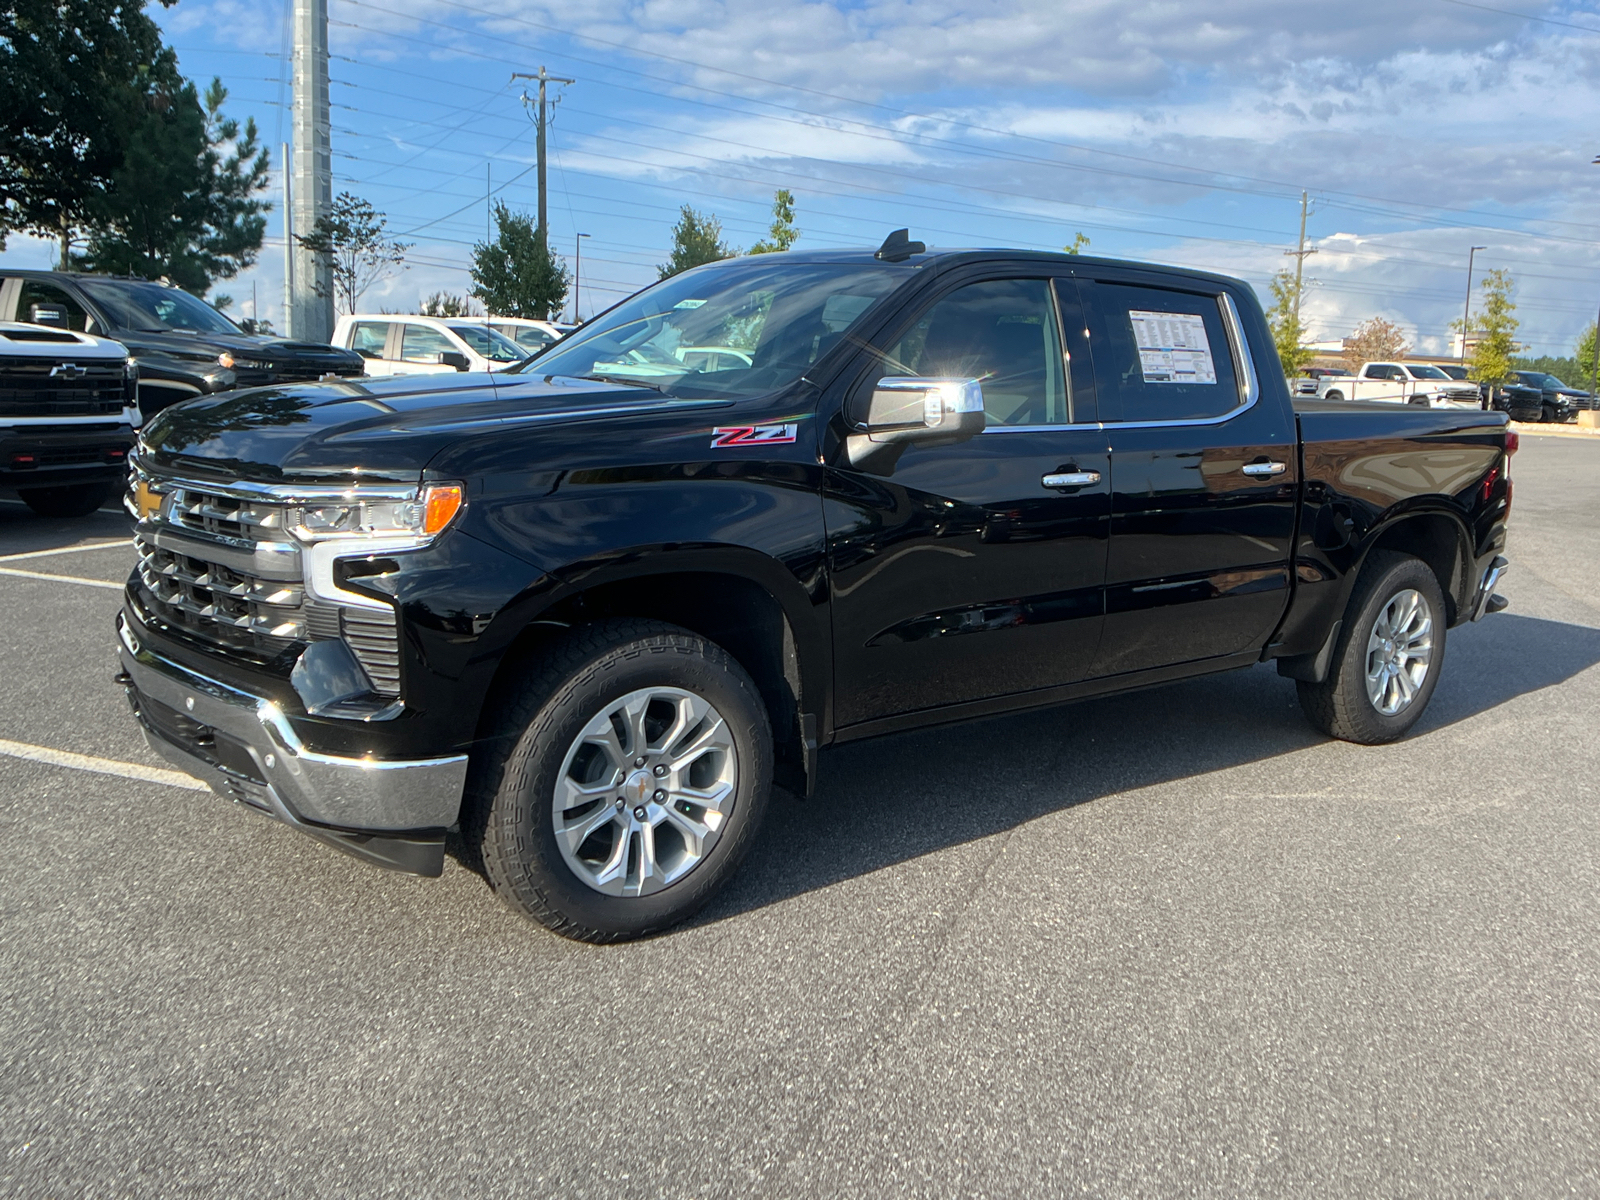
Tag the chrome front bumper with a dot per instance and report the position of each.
(390, 812)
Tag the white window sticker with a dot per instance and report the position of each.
(1173, 347)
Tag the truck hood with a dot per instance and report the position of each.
(205, 347)
(371, 430)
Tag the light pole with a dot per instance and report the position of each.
(1594, 379)
(577, 274)
(1465, 312)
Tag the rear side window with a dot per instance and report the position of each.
(369, 338)
(422, 342)
(1160, 355)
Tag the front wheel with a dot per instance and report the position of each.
(1547, 415)
(1335, 394)
(624, 781)
(1388, 655)
(77, 501)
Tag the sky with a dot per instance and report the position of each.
(1167, 131)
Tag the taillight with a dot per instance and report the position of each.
(1513, 440)
(1488, 483)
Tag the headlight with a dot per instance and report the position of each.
(225, 360)
(352, 517)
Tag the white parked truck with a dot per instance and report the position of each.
(1401, 383)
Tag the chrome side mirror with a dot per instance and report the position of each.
(909, 408)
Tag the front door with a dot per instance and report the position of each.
(1204, 468)
(959, 572)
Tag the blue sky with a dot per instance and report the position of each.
(1175, 132)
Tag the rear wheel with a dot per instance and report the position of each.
(1388, 656)
(77, 501)
(624, 782)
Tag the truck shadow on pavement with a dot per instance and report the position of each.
(893, 799)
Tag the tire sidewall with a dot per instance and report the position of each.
(536, 873)
(1407, 573)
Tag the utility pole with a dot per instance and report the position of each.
(543, 77)
(288, 239)
(1467, 311)
(311, 301)
(1299, 255)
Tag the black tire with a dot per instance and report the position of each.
(508, 809)
(1547, 415)
(77, 501)
(1334, 394)
(1339, 706)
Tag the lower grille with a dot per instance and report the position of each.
(375, 641)
(218, 598)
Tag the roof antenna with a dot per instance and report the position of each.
(898, 247)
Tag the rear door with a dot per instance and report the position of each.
(1204, 471)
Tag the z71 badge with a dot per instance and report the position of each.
(751, 435)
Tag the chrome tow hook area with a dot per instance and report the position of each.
(1486, 601)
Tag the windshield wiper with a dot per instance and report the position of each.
(622, 381)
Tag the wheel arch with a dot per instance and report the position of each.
(1441, 540)
(756, 611)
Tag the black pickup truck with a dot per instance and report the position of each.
(589, 609)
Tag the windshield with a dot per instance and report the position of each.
(1539, 380)
(496, 347)
(1427, 373)
(737, 328)
(531, 338)
(155, 308)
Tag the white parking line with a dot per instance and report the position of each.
(65, 550)
(100, 766)
(99, 583)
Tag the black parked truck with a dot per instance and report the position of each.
(183, 347)
(590, 609)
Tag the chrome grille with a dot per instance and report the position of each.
(222, 596)
(226, 569)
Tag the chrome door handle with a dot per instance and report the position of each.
(1066, 479)
(1261, 470)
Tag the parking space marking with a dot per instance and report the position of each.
(5, 558)
(100, 766)
(99, 583)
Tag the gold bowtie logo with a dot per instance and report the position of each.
(148, 502)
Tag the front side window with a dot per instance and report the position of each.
(1002, 333)
(424, 343)
(736, 328)
(1163, 355)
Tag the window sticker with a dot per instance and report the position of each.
(1173, 347)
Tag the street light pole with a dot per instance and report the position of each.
(1467, 311)
(577, 275)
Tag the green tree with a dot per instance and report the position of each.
(353, 239)
(73, 78)
(185, 203)
(696, 240)
(783, 233)
(1588, 363)
(516, 275)
(1284, 320)
(1079, 243)
(448, 304)
(1490, 361)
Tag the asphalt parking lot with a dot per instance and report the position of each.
(1172, 943)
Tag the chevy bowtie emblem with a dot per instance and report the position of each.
(68, 371)
(147, 501)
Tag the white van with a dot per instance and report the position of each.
(402, 344)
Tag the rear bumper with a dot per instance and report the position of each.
(1485, 601)
(390, 812)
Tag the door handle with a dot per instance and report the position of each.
(1263, 470)
(1070, 479)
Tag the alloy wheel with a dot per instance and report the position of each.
(1399, 652)
(645, 791)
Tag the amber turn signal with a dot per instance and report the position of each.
(440, 504)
